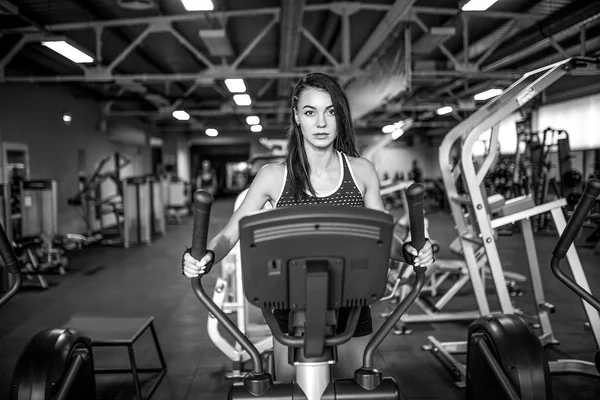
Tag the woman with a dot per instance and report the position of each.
(322, 167)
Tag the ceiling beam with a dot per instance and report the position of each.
(262, 73)
(397, 12)
(486, 45)
(225, 14)
(255, 42)
(128, 22)
(292, 12)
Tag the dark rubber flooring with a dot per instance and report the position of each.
(145, 281)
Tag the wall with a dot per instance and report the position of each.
(398, 156)
(176, 154)
(580, 118)
(32, 114)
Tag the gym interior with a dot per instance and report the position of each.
(482, 115)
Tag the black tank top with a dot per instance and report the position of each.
(346, 193)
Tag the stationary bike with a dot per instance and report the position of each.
(56, 364)
(312, 261)
(505, 358)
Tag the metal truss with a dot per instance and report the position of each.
(347, 67)
(400, 11)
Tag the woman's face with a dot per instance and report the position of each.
(316, 117)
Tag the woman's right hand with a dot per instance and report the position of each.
(193, 268)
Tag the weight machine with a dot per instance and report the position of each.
(94, 205)
(476, 228)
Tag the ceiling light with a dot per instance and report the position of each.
(198, 5)
(444, 110)
(252, 120)
(397, 133)
(156, 142)
(393, 127)
(235, 85)
(68, 51)
(388, 129)
(67, 118)
(136, 5)
(216, 42)
(488, 94)
(181, 115)
(256, 128)
(242, 99)
(478, 5)
(211, 132)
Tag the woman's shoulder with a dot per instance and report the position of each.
(360, 165)
(271, 172)
(273, 168)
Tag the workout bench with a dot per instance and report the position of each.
(122, 332)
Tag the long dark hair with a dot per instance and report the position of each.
(298, 168)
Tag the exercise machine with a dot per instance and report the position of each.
(342, 262)
(477, 228)
(176, 195)
(57, 364)
(445, 279)
(101, 205)
(39, 209)
(505, 359)
(580, 288)
(228, 295)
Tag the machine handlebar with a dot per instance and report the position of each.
(12, 264)
(414, 196)
(8, 254)
(202, 204)
(590, 194)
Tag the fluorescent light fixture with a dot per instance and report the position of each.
(216, 42)
(212, 132)
(444, 110)
(181, 115)
(252, 120)
(198, 5)
(156, 142)
(478, 5)
(235, 85)
(68, 51)
(388, 129)
(393, 127)
(242, 99)
(256, 128)
(488, 94)
(397, 133)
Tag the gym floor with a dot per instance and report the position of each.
(145, 281)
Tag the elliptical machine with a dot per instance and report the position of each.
(56, 364)
(505, 358)
(341, 262)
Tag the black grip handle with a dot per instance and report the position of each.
(202, 202)
(8, 253)
(414, 196)
(585, 204)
